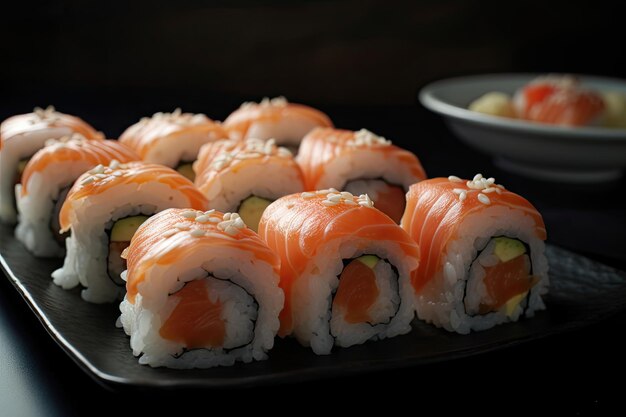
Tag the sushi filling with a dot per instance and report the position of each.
(500, 278)
(21, 166)
(209, 313)
(185, 168)
(55, 226)
(120, 235)
(367, 294)
(251, 209)
(388, 198)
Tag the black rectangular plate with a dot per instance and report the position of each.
(582, 292)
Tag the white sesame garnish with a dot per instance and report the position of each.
(197, 233)
(239, 223)
(117, 173)
(226, 216)
(210, 211)
(365, 201)
(87, 180)
(114, 164)
(202, 219)
(231, 230)
(214, 220)
(169, 233)
(189, 214)
(458, 190)
(347, 195)
(463, 196)
(181, 226)
(349, 202)
(489, 190)
(366, 138)
(478, 177)
(484, 199)
(498, 190)
(98, 169)
(306, 195)
(454, 178)
(329, 203)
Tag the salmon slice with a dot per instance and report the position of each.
(437, 207)
(324, 146)
(295, 226)
(162, 128)
(391, 201)
(196, 321)
(172, 234)
(77, 150)
(504, 281)
(273, 112)
(97, 181)
(221, 158)
(357, 292)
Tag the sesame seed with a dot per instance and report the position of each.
(458, 190)
(117, 173)
(210, 211)
(329, 203)
(334, 197)
(202, 219)
(350, 202)
(478, 177)
(489, 190)
(226, 216)
(87, 180)
(181, 226)
(346, 194)
(483, 199)
(234, 216)
(454, 178)
(498, 190)
(114, 164)
(307, 195)
(463, 196)
(189, 214)
(239, 223)
(197, 233)
(98, 169)
(231, 230)
(214, 220)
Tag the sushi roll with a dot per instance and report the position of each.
(482, 259)
(345, 269)
(47, 178)
(103, 209)
(361, 163)
(246, 176)
(202, 291)
(559, 100)
(23, 135)
(172, 139)
(275, 118)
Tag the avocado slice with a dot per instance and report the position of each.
(369, 260)
(507, 248)
(251, 210)
(186, 169)
(513, 302)
(124, 229)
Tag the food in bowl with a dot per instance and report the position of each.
(558, 100)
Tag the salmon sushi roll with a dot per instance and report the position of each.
(345, 269)
(246, 176)
(482, 259)
(172, 139)
(361, 163)
(23, 135)
(47, 178)
(202, 291)
(559, 100)
(103, 209)
(275, 118)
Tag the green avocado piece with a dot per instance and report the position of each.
(187, 171)
(507, 248)
(252, 209)
(124, 229)
(369, 260)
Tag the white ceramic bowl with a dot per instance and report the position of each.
(573, 154)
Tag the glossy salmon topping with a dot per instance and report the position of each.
(357, 292)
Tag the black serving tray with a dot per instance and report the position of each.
(582, 292)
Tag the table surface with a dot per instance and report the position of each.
(38, 379)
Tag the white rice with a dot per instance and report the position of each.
(88, 246)
(313, 294)
(287, 130)
(14, 150)
(247, 288)
(443, 300)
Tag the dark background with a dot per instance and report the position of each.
(362, 62)
(115, 61)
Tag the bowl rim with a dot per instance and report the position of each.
(429, 98)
